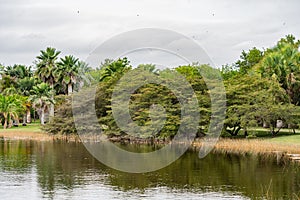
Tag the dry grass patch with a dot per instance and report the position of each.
(253, 146)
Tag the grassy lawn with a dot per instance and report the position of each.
(285, 136)
(292, 139)
(33, 127)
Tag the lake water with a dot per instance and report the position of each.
(59, 170)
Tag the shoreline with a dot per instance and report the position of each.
(36, 136)
(226, 145)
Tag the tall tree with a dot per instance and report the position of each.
(283, 62)
(41, 99)
(46, 68)
(252, 100)
(67, 72)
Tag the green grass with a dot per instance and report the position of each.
(291, 139)
(285, 135)
(33, 127)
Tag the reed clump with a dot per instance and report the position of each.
(252, 146)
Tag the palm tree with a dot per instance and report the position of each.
(84, 75)
(17, 71)
(7, 81)
(10, 106)
(283, 63)
(41, 99)
(114, 69)
(68, 71)
(25, 86)
(46, 68)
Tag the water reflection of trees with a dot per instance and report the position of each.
(68, 166)
(16, 155)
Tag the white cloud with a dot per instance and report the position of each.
(223, 28)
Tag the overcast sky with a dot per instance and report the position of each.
(222, 28)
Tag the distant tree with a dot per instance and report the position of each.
(84, 75)
(105, 63)
(283, 62)
(41, 99)
(114, 69)
(25, 85)
(7, 81)
(248, 60)
(18, 71)
(46, 68)
(148, 67)
(67, 72)
(228, 71)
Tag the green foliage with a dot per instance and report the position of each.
(114, 69)
(148, 67)
(17, 71)
(229, 71)
(251, 101)
(248, 60)
(283, 63)
(16, 79)
(63, 122)
(10, 108)
(144, 99)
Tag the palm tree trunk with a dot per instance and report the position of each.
(70, 89)
(5, 124)
(24, 119)
(42, 116)
(10, 122)
(52, 105)
(28, 116)
(5, 121)
(17, 120)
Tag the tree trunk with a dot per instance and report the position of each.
(237, 130)
(34, 115)
(51, 113)
(24, 119)
(17, 120)
(10, 123)
(70, 89)
(28, 116)
(42, 116)
(5, 121)
(245, 132)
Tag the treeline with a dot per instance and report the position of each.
(262, 90)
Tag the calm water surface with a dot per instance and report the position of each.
(59, 170)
